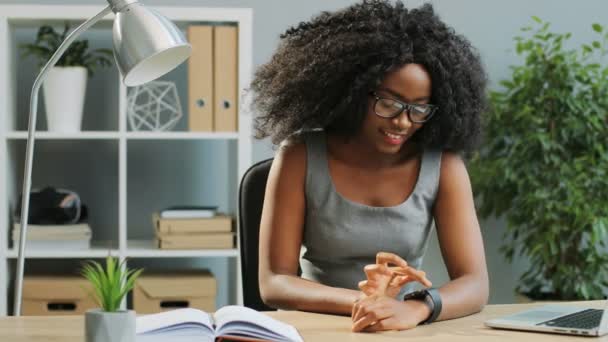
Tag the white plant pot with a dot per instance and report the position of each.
(64, 90)
(102, 326)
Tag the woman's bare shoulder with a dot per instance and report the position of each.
(290, 159)
(293, 149)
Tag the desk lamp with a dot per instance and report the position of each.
(146, 46)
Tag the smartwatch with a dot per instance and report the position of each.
(431, 298)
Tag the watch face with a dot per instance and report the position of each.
(420, 294)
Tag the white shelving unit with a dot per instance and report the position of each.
(117, 139)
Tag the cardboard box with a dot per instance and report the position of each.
(161, 292)
(56, 295)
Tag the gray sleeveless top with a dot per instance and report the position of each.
(342, 236)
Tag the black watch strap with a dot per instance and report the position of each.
(431, 298)
(433, 295)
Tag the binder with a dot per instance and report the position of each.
(225, 53)
(200, 79)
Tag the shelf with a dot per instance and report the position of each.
(137, 248)
(97, 250)
(64, 136)
(113, 167)
(182, 135)
(147, 249)
(43, 135)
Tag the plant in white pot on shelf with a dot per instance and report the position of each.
(110, 286)
(64, 89)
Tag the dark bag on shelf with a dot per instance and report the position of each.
(53, 206)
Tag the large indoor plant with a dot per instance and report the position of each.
(111, 284)
(543, 165)
(64, 89)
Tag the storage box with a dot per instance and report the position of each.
(56, 295)
(199, 241)
(161, 292)
(216, 224)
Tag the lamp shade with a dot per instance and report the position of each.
(146, 44)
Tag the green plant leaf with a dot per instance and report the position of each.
(543, 165)
(597, 27)
(111, 283)
(48, 41)
(537, 19)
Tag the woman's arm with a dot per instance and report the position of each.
(281, 232)
(462, 250)
(460, 241)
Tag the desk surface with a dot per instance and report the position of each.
(315, 327)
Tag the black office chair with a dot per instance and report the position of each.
(251, 200)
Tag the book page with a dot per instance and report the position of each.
(242, 321)
(175, 322)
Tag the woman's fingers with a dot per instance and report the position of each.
(360, 305)
(378, 271)
(375, 270)
(381, 325)
(399, 281)
(367, 312)
(383, 279)
(386, 258)
(402, 268)
(380, 275)
(366, 287)
(413, 273)
(363, 322)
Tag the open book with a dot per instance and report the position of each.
(228, 323)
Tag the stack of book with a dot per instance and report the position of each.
(63, 236)
(193, 228)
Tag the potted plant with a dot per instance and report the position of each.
(544, 164)
(65, 85)
(111, 284)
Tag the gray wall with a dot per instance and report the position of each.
(489, 24)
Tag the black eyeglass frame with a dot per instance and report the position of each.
(406, 107)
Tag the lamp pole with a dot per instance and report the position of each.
(27, 175)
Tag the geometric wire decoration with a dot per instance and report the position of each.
(153, 106)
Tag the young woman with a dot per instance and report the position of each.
(372, 106)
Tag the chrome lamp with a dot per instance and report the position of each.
(146, 46)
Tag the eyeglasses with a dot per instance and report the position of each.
(390, 108)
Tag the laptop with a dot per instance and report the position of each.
(556, 319)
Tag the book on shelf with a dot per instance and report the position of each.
(56, 245)
(231, 323)
(54, 232)
(59, 237)
(188, 211)
(199, 241)
(216, 224)
(54, 228)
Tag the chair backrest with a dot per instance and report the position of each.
(251, 200)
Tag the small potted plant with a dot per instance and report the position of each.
(543, 166)
(110, 286)
(65, 85)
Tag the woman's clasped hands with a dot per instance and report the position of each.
(378, 308)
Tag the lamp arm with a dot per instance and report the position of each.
(25, 196)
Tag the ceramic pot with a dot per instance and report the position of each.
(64, 90)
(102, 326)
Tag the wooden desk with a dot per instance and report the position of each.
(315, 327)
